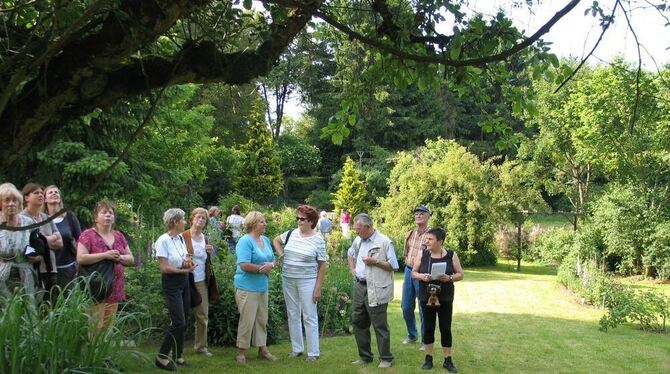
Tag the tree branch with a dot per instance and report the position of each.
(437, 59)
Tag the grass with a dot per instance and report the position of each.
(504, 322)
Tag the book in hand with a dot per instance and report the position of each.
(437, 269)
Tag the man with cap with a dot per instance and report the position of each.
(414, 246)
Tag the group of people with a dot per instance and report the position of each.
(184, 258)
(42, 275)
(301, 253)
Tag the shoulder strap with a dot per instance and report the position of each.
(187, 238)
(450, 254)
(357, 245)
(288, 235)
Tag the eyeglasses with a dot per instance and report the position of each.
(301, 219)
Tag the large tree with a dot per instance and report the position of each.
(61, 60)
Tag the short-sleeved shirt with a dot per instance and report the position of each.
(414, 246)
(301, 255)
(365, 246)
(172, 248)
(235, 222)
(95, 244)
(46, 230)
(325, 225)
(248, 251)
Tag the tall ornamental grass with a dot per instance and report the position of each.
(58, 337)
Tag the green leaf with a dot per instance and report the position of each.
(352, 119)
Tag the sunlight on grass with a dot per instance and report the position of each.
(505, 322)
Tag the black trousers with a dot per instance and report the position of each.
(430, 314)
(178, 300)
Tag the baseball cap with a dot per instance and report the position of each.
(421, 208)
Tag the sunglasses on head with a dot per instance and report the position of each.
(301, 219)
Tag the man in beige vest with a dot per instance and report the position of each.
(372, 260)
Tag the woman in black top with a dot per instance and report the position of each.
(454, 272)
(70, 229)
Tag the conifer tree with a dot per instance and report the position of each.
(352, 193)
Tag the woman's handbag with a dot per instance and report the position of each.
(212, 287)
(99, 277)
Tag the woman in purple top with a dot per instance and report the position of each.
(102, 242)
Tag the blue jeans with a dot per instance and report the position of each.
(410, 291)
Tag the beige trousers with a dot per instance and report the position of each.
(103, 314)
(252, 327)
(201, 313)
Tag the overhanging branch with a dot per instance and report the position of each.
(439, 59)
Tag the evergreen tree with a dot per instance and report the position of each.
(352, 193)
(260, 176)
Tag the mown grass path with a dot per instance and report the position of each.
(504, 322)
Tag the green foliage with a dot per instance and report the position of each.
(337, 246)
(261, 178)
(621, 216)
(145, 297)
(459, 189)
(59, 337)
(298, 158)
(657, 254)
(650, 309)
(352, 193)
(227, 202)
(321, 199)
(553, 246)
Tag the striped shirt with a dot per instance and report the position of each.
(301, 255)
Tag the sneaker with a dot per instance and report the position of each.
(205, 351)
(428, 363)
(449, 365)
(384, 364)
(295, 354)
(409, 340)
(423, 347)
(312, 358)
(360, 361)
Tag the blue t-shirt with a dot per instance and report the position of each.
(247, 250)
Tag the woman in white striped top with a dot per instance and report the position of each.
(303, 270)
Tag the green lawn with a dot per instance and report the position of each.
(504, 322)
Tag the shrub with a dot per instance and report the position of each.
(337, 246)
(648, 308)
(226, 203)
(459, 190)
(553, 246)
(320, 199)
(657, 254)
(59, 337)
(145, 297)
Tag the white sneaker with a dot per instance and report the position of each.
(423, 347)
(409, 340)
(384, 364)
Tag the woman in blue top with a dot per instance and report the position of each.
(255, 260)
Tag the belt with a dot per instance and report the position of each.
(409, 267)
(361, 280)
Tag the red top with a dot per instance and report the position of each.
(94, 243)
